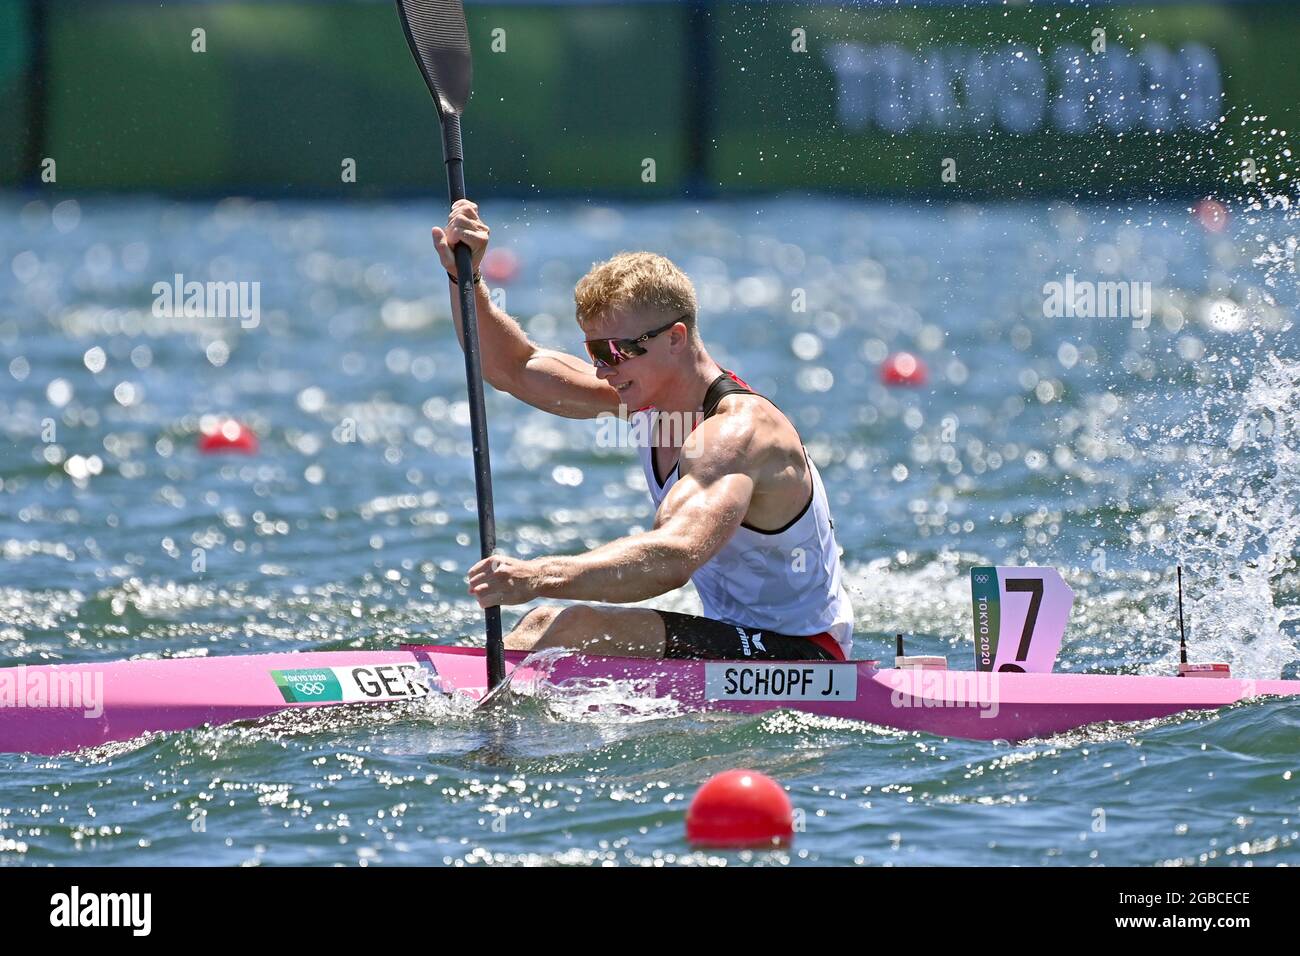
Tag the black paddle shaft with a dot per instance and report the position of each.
(454, 157)
(439, 40)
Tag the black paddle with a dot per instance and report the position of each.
(439, 41)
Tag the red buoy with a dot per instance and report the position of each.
(499, 266)
(1211, 214)
(740, 808)
(903, 368)
(226, 435)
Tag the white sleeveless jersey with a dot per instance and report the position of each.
(786, 581)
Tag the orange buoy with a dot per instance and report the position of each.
(740, 808)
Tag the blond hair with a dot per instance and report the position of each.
(635, 280)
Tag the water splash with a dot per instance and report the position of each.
(606, 700)
(1236, 524)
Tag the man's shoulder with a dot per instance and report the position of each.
(744, 429)
(757, 414)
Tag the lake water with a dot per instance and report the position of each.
(1110, 448)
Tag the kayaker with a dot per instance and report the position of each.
(740, 507)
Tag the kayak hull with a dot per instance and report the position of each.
(102, 703)
(967, 704)
(52, 709)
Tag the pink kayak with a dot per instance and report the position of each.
(58, 708)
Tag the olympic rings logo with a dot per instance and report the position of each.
(981, 579)
(310, 688)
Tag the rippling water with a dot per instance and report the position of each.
(1107, 450)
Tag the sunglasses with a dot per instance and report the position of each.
(610, 352)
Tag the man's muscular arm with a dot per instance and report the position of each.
(699, 515)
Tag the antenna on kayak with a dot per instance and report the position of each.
(439, 40)
(929, 662)
(1208, 669)
(1182, 632)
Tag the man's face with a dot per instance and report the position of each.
(638, 379)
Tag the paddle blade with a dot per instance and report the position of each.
(439, 41)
